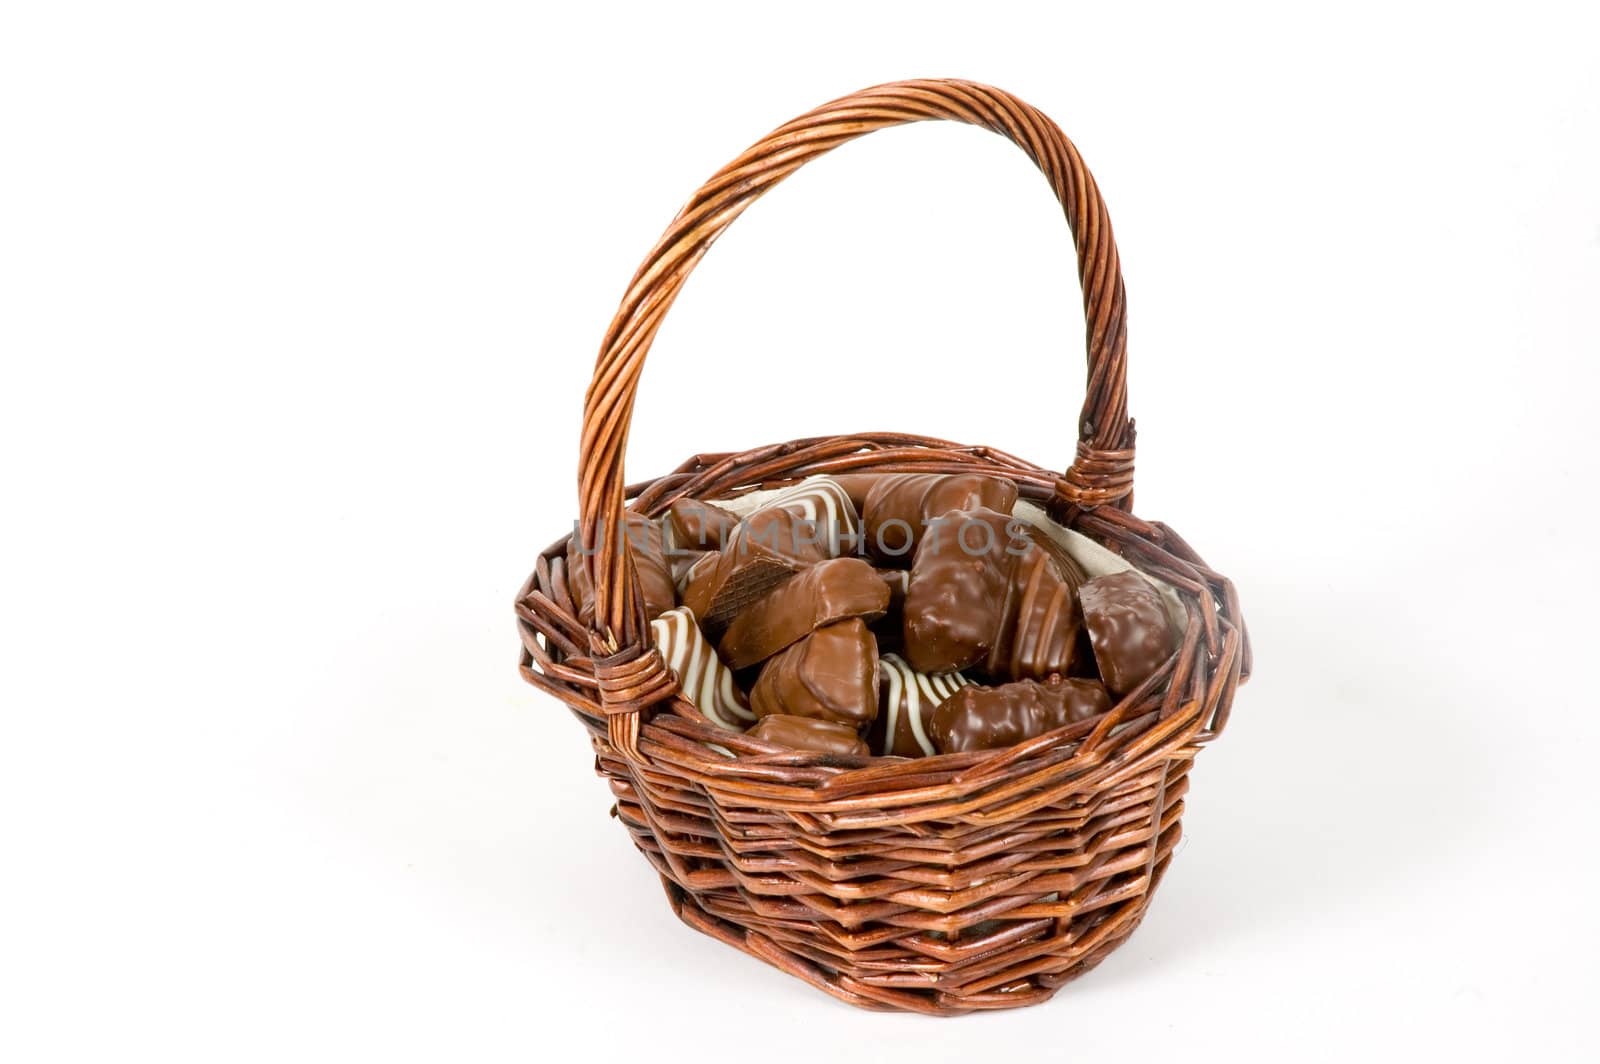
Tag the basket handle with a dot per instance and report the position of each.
(1101, 473)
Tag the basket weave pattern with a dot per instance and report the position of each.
(942, 884)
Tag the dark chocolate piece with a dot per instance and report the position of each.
(906, 701)
(804, 733)
(831, 674)
(649, 562)
(696, 525)
(899, 508)
(984, 718)
(705, 681)
(1129, 628)
(832, 591)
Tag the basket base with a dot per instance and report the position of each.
(996, 946)
(880, 994)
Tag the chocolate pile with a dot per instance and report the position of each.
(901, 614)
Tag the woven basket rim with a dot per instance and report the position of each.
(675, 738)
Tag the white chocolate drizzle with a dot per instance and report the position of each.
(822, 502)
(706, 682)
(920, 692)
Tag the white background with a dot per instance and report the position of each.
(297, 306)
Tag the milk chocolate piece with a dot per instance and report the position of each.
(805, 525)
(899, 582)
(856, 486)
(900, 507)
(705, 681)
(1129, 628)
(831, 674)
(804, 733)
(695, 525)
(832, 591)
(829, 509)
(696, 583)
(957, 596)
(1039, 635)
(983, 718)
(906, 701)
(992, 592)
(643, 540)
(681, 564)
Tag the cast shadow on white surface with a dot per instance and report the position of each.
(1349, 787)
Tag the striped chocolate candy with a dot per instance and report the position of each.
(827, 508)
(907, 699)
(706, 682)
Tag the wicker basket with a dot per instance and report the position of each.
(938, 885)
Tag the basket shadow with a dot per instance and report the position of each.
(1319, 799)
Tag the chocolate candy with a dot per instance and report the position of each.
(643, 540)
(804, 733)
(906, 701)
(832, 591)
(957, 596)
(705, 681)
(831, 674)
(827, 506)
(698, 581)
(695, 525)
(856, 486)
(805, 525)
(1039, 633)
(900, 506)
(1128, 627)
(899, 582)
(983, 718)
(993, 592)
(681, 565)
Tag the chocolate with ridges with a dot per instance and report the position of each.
(705, 681)
(899, 507)
(833, 591)
(984, 718)
(805, 733)
(831, 674)
(992, 592)
(644, 542)
(906, 701)
(1128, 627)
(1039, 635)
